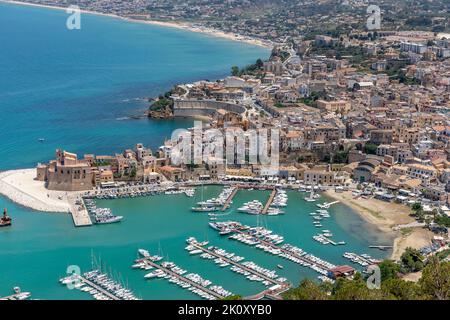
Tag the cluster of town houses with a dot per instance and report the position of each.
(339, 121)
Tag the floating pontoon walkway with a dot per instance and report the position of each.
(287, 252)
(230, 198)
(269, 201)
(98, 288)
(239, 265)
(79, 213)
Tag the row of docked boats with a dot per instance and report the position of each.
(265, 235)
(280, 199)
(108, 284)
(256, 207)
(316, 188)
(364, 260)
(265, 240)
(224, 259)
(325, 238)
(272, 274)
(178, 276)
(189, 192)
(299, 256)
(227, 227)
(126, 192)
(146, 254)
(101, 215)
(99, 286)
(252, 207)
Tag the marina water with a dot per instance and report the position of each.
(78, 89)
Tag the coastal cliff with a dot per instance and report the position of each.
(165, 113)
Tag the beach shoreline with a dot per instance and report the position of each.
(385, 216)
(177, 25)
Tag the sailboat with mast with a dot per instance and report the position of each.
(312, 196)
(204, 206)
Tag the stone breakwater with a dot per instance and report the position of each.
(20, 187)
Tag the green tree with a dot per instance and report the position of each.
(400, 289)
(370, 148)
(435, 280)
(411, 260)
(443, 221)
(340, 157)
(235, 71)
(259, 63)
(355, 289)
(416, 206)
(307, 290)
(389, 269)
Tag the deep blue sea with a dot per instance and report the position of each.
(78, 88)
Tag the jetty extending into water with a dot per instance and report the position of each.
(98, 288)
(80, 215)
(303, 258)
(239, 265)
(229, 199)
(265, 240)
(381, 247)
(99, 285)
(269, 201)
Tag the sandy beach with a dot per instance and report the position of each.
(386, 216)
(177, 25)
(20, 187)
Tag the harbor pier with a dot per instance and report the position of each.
(98, 288)
(287, 252)
(80, 215)
(269, 201)
(229, 199)
(241, 266)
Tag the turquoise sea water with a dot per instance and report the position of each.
(75, 89)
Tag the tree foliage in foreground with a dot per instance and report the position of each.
(433, 285)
